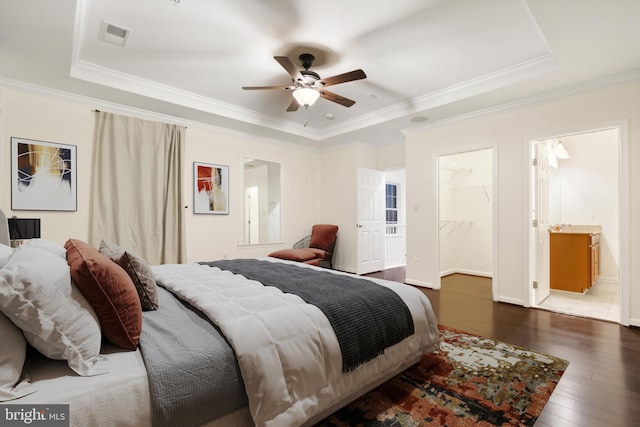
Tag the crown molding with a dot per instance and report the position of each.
(126, 82)
(98, 104)
(507, 76)
(620, 79)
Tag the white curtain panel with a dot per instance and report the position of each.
(136, 197)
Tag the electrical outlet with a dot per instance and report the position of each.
(415, 261)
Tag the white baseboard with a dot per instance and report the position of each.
(511, 301)
(402, 264)
(610, 280)
(346, 270)
(420, 283)
(465, 271)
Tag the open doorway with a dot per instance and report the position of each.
(575, 210)
(395, 240)
(466, 213)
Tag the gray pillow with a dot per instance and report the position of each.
(139, 271)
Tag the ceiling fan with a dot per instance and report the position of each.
(307, 86)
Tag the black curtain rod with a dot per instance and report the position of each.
(97, 111)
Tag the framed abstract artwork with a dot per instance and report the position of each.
(43, 176)
(210, 189)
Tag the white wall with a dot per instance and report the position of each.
(512, 131)
(465, 190)
(209, 237)
(589, 192)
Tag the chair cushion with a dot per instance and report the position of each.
(323, 236)
(299, 255)
(318, 253)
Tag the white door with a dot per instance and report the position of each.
(371, 220)
(540, 216)
(252, 226)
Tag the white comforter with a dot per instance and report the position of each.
(287, 351)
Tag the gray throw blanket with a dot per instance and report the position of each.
(193, 373)
(366, 317)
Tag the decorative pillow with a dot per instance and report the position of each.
(47, 245)
(299, 255)
(5, 253)
(109, 290)
(38, 296)
(139, 271)
(323, 236)
(14, 349)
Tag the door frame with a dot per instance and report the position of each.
(624, 271)
(536, 172)
(495, 285)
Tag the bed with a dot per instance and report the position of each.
(292, 362)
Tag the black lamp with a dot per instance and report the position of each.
(23, 229)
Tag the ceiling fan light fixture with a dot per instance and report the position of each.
(306, 96)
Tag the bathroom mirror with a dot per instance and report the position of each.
(261, 195)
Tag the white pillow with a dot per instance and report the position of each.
(38, 296)
(5, 253)
(47, 245)
(14, 349)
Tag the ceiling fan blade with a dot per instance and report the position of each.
(343, 78)
(293, 106)
(336, 98)
(291, 68)
(266, 87)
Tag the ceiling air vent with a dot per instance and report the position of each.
(113, 34)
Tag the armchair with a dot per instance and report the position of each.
(315, 249)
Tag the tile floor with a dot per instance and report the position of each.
(600, 302)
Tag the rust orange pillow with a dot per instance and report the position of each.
(109, 290)
(299, 255)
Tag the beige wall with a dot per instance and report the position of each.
(511, 131)
(340, 197)
(49, 119)
(209, 237)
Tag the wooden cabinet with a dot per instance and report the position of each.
(575, 260)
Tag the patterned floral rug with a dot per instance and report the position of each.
(470, 381)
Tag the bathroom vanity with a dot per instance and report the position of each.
(575, 257)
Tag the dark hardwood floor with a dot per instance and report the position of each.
(601, 386)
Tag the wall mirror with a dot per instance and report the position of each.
(261, 195)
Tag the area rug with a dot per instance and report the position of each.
(470, 381)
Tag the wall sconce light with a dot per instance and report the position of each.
(560, 150)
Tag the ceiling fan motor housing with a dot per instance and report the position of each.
(309, 77)
(307, 60)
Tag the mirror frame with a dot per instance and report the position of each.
(271, 239)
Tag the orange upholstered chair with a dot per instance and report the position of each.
(316, 249)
